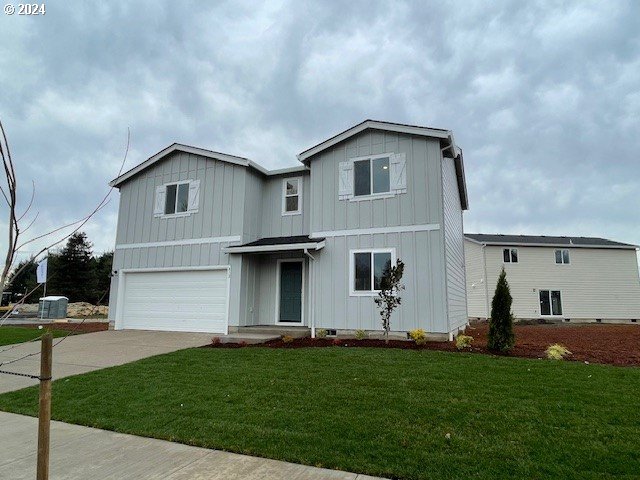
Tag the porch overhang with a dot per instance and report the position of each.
(278, 244)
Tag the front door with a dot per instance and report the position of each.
(290, 300)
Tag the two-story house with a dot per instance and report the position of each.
(212, 242)
(571, 279)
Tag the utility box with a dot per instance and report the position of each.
(53, 307)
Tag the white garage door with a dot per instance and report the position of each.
(187, 301)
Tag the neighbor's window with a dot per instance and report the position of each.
(510, 255)
(371, 176)
(562, 257)
(368, 269)
(177, 199)
(550, 302)
(291, 196)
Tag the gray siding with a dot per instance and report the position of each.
(274, 224)
(422, 204)
(454, 247)
(423, 304)
(222, 191)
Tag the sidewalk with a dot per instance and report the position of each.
(81, 453)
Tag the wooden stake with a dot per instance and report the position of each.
(44, 414)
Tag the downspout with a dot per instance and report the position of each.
(312, 292)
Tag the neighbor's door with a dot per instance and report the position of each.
(290, 301)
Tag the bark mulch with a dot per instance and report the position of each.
(608, 344)
(86, 327)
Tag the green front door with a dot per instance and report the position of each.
(290, 292)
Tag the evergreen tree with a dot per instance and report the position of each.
(501, 336)
(74, 270)
(25, 281)
(102, 280)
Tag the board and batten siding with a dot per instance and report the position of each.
(454, 247)
(599, 283)
(422, 204)
(274, 224)
(340, 220)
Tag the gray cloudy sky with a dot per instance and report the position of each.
(544, 98)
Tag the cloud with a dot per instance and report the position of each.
(543, 97)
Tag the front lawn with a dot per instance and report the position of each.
(376, 411)
(9, 335)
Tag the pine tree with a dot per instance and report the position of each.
(74, 269)
(501, 336)
(102, 280)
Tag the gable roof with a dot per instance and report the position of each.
(545, 241)
(224, 157)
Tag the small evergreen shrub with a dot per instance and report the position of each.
(501, 337)
(419, 336)
(287, 338)
(321, 333)
(361, 334)
(557, 352)
(463, 341)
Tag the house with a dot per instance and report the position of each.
(573, 279)
(213, 242)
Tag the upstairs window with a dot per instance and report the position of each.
(510, 255)
(371, 176)
(562, 257)
(291, 196)
(177, 198)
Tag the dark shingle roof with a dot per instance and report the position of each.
(497, 239)
(261, 242)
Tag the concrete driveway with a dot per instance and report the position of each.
(93, 351)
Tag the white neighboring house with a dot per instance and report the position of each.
(572, 279)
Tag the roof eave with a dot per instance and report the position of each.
(275, 248)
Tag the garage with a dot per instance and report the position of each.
(179, 300)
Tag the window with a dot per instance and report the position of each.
(510, 255)
(291, 196)
(367, 269)
(562, 257)
(550, 302)
(371, 176)
(177, 198)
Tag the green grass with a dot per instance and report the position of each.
(9, 335)
(375, 411)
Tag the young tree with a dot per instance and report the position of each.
(501, 336)
(388, 297)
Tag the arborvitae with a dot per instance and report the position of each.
(501, 337)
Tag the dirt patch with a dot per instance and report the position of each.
(610, 344)
(86, 327)
(74, 310)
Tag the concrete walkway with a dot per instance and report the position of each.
(79, 453)
(92, 351)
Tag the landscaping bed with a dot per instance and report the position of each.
(84, 327)
(610, 344)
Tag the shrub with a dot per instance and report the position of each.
(501, 337)
(389, 296)
(361, 334)
(337, 342)
(557, 352)
(463, 341)
(216, 340)
(287, 338)
(321, 333)
(419, 336)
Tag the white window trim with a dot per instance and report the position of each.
(352, 270)
(371, 196)
(562, 256)
(177, 214)
(510, 262)
(284, 196)
(550, 305)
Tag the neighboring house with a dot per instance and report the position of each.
(577, 279)
(212, 242)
